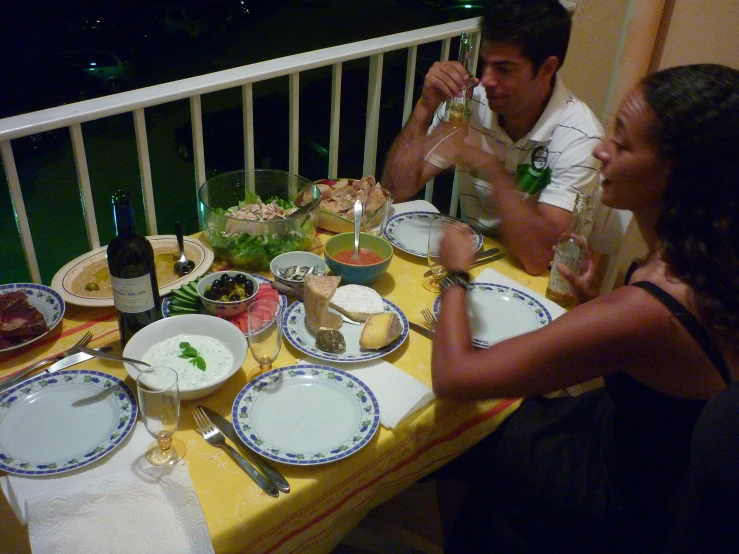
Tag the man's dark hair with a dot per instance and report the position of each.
(541, 28)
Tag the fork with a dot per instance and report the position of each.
(430, 318)
(215, 438)
(84, 341)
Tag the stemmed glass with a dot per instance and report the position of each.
(436, 230)
(159, 402)
(265, 334)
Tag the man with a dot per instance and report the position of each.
(529, 139)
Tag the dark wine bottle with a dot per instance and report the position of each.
(132, 274)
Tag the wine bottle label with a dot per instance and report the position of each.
(132, 296)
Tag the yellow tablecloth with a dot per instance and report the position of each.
(326, 501)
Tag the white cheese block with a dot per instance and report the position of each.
(357, 302)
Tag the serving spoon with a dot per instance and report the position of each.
(183, 266)
(357, 224)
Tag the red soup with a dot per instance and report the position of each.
(366, 257)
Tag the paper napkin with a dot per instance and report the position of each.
(397, 393)
(489, 275)
(119, 504)
(412, 206)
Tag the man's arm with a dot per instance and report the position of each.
(406, 169)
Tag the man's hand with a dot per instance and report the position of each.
(586, 285)
(457, 248)
(444, 80)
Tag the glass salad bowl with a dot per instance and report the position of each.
(248, 216)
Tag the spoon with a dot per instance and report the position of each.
(357, 223)
(183, 266)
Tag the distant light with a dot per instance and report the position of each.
(93, 63)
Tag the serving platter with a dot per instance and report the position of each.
(297, 333)
(65, 279)
(499, 312)
(306, 414)
(46, 300)
(336, 222)
(60, 422)
(409, 232)
(166, 302)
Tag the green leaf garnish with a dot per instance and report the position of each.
(192, 353)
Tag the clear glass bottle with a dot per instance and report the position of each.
(570, 252)
(458, 108)
(132, 272)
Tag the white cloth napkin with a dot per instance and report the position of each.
(397, 393)
(489, 275)
(119, 504)
(412, 206)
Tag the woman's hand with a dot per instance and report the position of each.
(585, 286)
(457, 247)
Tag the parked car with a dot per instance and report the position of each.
(223, 133)
(112, 70)
(189, 21)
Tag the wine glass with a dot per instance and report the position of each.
(265, 333)
(159, 402)
(436, 230)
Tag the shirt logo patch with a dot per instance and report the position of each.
(539, 157)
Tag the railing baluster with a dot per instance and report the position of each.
(198, 150)
(83, 181)
(410, 81)
(142, 148)
(294, 111)
(333, 141)
(373, 114)
(247, 101)
(19, 210)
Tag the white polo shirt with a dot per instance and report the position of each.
(552, 163)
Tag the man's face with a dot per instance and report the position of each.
(509, 80)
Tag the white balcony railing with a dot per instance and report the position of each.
(137, 101)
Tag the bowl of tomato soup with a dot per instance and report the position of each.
(375, 254)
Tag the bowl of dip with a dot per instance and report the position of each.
(375, 254)
(219, 345)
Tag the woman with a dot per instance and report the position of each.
(598, 472)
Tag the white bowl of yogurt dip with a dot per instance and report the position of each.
(215, 351)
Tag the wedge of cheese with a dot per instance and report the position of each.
(317, 294)
(380, 330)
(357, 302)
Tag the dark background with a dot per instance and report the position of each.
(240, 32)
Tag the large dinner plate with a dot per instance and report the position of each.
(57, 423)
(306, 414)
(167, 301)
(498, 312)
(297, 333)
(65, 277)
(47, 301)
(409, 232)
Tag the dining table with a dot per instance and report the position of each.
(328, 500)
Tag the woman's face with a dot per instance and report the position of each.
(634, 174)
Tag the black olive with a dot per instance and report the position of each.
(249, 287)
(240, 279)
(226, 278)
(234, 297)
(211, 295)
(216, 288)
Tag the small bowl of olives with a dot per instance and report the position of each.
(227, 293)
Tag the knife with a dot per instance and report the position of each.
(53, 368)
(227, 429)
(421, 330)
(479, 261)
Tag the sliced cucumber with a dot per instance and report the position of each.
(174, 308)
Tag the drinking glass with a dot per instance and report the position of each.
(374, 222)
(436, 230)
(265, 334)
(159, 403)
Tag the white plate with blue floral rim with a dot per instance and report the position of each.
(306, 414)
(297, 334)
(167, 301)
(46, 300)
(410, 232)
(498, 312)
(60, 422)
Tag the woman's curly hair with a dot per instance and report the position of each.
(697, 108)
